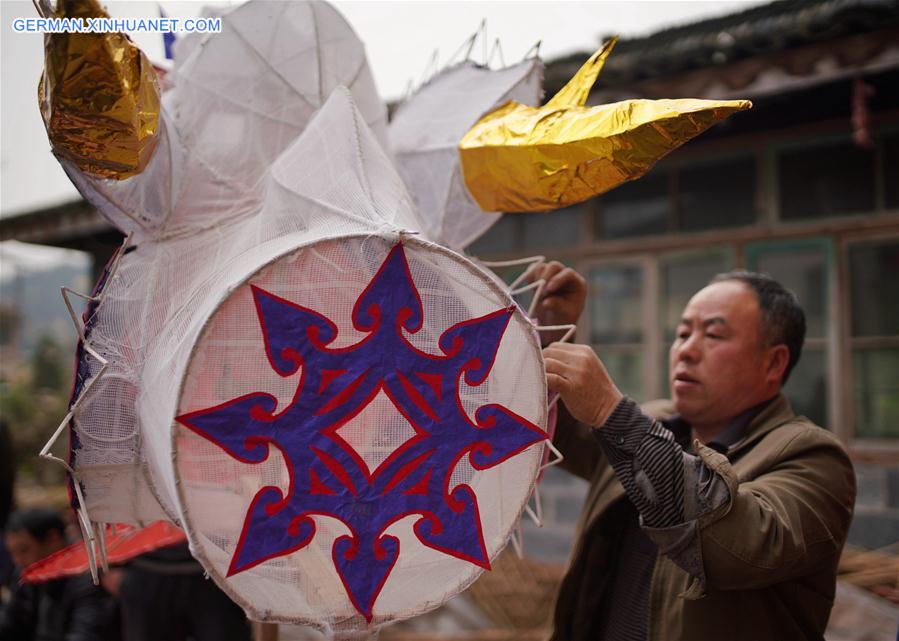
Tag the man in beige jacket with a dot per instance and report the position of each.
(718, 515)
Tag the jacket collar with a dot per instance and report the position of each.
(743, 430)
(769, 419)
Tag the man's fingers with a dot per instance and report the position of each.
(575, 360)
(546, 271)
(555, 353)
(565, 351)
(565, 280)
(556, 365)
(558, 376)
(556, 383)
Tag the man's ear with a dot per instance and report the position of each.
(778, 359)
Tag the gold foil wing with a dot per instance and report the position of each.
(99, 97)
(521, 158)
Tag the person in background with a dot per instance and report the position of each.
(165, 596)
(66, 609)
(717, 515)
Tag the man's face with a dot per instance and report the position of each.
(718, 364)
(25, 549)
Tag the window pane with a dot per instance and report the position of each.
(616, 304)
(876, 376)
(501, 237)
(873, 269)
(637, 208)
(891, 170)
(807, 387)
(828, 180)
(717, 195)
(559, 228)
(802, 269)
(625, 368)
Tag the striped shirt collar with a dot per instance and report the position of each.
(729, 436)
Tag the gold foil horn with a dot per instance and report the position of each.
(519, 158)
(99, 97)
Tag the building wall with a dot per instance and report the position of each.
(799, 200)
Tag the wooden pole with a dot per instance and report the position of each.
(265, 631)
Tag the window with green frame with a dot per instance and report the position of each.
(890, 145)
(827, 178)
(556, 229)
(532, 231)
(637, 208)
(874, 337)
(616, 299)
(717, 194)
(501, 237)
(698, 195)
(805, 267)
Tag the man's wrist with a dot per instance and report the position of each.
(603, 417)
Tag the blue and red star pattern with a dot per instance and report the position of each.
(327, 476)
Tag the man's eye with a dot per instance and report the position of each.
(714, 336)
(683, 335)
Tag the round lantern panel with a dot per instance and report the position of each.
(358, 430)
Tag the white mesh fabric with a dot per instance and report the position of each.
(240, 98)
(162, 286)
(185, 43)
(425, 133)
(139, 205)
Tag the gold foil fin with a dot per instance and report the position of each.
(575, 92)
(99, 97)
(520, 158)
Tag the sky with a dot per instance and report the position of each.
(400, 38)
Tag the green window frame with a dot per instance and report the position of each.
(871, 357)
(811, 392)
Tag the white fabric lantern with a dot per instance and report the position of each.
(346, 417)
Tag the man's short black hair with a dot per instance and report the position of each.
(783, 321)
(37, 521)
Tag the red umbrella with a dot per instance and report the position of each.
(123, 545)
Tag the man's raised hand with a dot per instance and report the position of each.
(577, 374)
(562, 299)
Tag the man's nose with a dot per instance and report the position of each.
(687, 349)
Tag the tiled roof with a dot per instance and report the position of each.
(726, 39)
